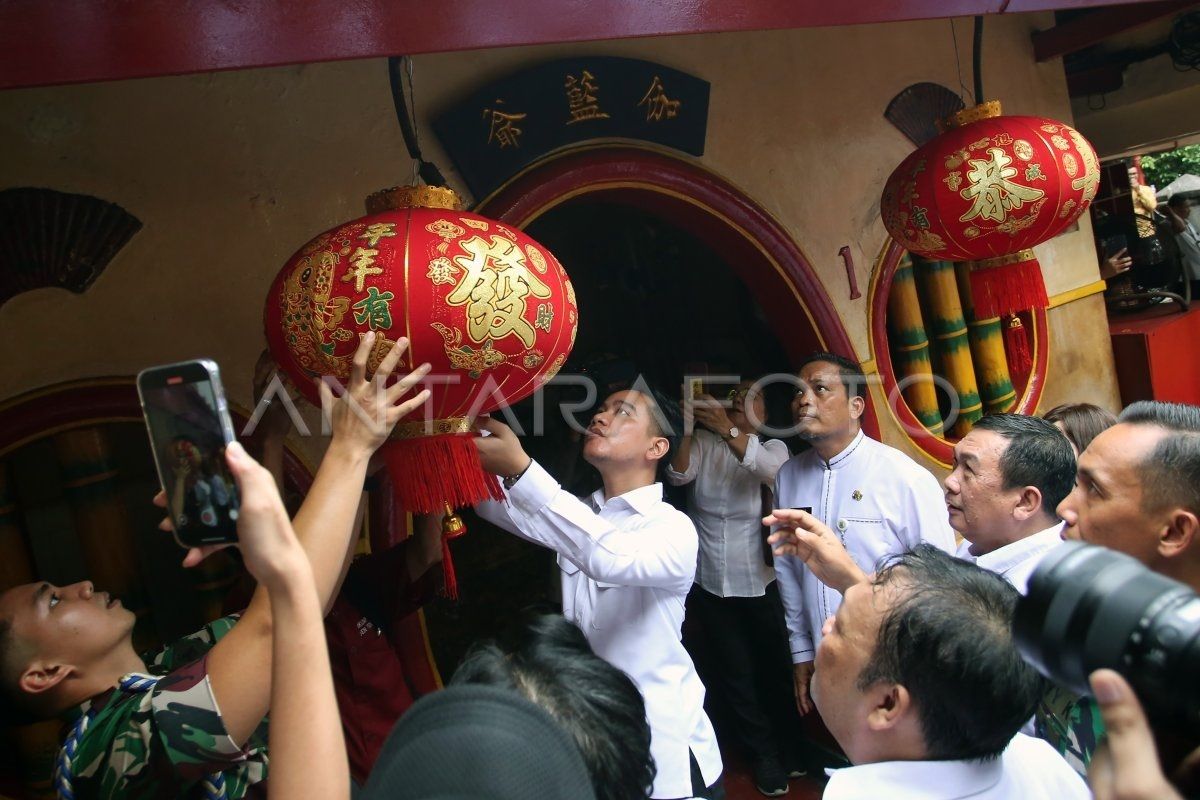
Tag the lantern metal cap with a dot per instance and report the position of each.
(399, 197)
(958, 119)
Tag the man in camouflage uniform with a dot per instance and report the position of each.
(68, 651)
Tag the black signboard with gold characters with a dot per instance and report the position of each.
(510, 123)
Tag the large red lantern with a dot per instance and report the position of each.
(986, 191)
(488, 307)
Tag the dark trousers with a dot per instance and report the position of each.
(744, 661)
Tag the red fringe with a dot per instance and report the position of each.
(430, 471)
(1008, 289)
(1016, 347)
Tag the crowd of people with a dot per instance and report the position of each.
(889, 597)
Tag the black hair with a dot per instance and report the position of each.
(1038, 454)
(14, 710)
(948, 640)
(851, 373)
(1171, 472)
(1081, 422)
(548, 660)
(1177, 201)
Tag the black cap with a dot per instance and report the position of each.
(478, 742)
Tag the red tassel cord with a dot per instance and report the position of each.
(1016, 347)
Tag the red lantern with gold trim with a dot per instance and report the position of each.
(986, 191)
(489, 308)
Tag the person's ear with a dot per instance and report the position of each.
(857, 406)
(42, 676)
(658, 448)
(1029, 503)
(1179, 534)
(892, 705)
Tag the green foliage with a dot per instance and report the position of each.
(1163, 168)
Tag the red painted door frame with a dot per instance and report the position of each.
(77, 41)
(750, 240)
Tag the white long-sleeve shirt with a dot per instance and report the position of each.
(627, 565)
(725, 502)
(877, 500)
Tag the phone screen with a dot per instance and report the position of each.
(188, 436)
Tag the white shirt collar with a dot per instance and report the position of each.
(914, 780)
(1003, 559)
(641, 500)
(843, 458)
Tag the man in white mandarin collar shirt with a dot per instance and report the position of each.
(878, 501)
(919, 679)
(1010, 473)
(627, 560)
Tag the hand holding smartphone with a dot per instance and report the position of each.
(188, 421)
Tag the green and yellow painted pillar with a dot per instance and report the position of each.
(909, 347)
(987, 348)
(951, 346)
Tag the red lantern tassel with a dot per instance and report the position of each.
(450, 580)
(1016, 347)
(430, 471)
(1007, 285)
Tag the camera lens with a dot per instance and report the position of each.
(1090, 608)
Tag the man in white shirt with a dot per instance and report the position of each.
(1186, 235)
(878, 500)
(727, 467)
(628, 560)
(1010, 473)
(919, 679)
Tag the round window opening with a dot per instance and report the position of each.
(941, 368)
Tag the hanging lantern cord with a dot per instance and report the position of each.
(406, 116)
(977, 60)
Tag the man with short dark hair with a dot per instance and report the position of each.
(1010, 473)
(1186, 235)
(1138, 489)
(879, 500)
(548, 660)
(919, 679)
(628, 560)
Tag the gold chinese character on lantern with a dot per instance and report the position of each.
(658, 105)
(581, 98)
(991, 191)
(495, 288)
(364, 267)
(503, 131)
(377, 231)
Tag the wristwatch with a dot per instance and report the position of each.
(510, 480)
(733, 433)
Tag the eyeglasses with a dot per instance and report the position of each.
(737, 394)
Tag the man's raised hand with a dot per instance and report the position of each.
(802, 535)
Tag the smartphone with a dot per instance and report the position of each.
(805, 509)
(189, 426)
(696, 387)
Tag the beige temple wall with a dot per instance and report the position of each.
(232, 172)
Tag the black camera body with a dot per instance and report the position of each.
(1090, 608)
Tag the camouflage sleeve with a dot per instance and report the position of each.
(1071, 724)
(188, 722)
(191, 647)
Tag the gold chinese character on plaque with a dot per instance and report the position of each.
(364, 267)
(581, 98)
(495, 288)
(503, 131)
(658, 105)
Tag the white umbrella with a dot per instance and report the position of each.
(1184, 184)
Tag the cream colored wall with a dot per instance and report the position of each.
(231, 172)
